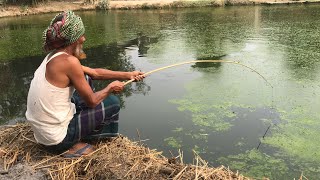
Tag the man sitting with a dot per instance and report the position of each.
(60, 117)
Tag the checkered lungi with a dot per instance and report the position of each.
(90, 123)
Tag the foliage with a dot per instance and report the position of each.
(24, 2)
(103, 4)
(24, 8)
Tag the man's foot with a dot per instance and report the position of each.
(78, 150)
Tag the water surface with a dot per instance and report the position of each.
(224, 112)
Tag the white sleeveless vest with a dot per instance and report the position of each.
(49, 108)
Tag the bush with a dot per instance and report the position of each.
(103, 4)
(23, 2)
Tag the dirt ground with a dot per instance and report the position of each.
(52, 6)
(58, 6)
(22, 171)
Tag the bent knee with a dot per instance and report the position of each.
(112, 100)
(111, 106)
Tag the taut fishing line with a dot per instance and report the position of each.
(271, 123)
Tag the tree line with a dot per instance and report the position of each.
(35, 2)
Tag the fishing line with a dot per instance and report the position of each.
(271, 123)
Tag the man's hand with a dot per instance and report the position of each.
(116, 87)
(137, 75)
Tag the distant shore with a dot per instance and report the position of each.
(58, 6)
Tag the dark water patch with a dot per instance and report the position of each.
(15, 79)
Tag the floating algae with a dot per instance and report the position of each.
(173, 142)
(256, 164)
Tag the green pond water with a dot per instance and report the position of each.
(226, 113)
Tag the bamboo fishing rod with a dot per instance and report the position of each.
(200, 61)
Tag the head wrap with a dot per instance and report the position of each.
(64, 29)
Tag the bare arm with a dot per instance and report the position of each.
(99, 73)
(76, 76)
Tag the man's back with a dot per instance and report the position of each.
(49, 108)
(56, 71)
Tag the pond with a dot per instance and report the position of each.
(224, 112)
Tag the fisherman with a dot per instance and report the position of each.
(62, 107)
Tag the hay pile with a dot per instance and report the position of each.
(118, 158)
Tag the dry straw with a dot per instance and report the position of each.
(118, 158)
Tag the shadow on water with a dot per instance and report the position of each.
(15, 76)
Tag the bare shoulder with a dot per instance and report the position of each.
(72, 60)
(67, 61)
(65, 64)
(63, 59)
(73, 66)
(60, 69)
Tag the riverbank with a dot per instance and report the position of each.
(117, 158)
(58, 6)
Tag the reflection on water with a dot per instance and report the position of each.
(142, 42)
(204, 65)
(15, 77)
(220, 110)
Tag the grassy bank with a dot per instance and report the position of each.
(58, 6)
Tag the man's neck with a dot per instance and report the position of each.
(69, 50)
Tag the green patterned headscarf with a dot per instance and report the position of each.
(64, 29)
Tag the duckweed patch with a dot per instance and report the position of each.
(204, 115)
(296, 141)
(173, 142)
(256, 164)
